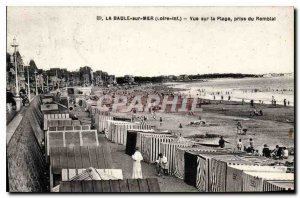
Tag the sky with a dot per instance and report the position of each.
(71, 37)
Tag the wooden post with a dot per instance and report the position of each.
(51, 178)
(64, 138)
(96, 134)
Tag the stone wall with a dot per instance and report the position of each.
(27, 171)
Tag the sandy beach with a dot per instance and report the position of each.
(221, 120)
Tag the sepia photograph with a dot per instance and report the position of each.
(150, 99)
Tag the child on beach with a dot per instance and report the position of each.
(239, 145)
(162, 164)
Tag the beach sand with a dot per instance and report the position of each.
(221, 120)
(263, 130)
(273, 128)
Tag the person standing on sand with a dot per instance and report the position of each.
(137, 167)
(285, 153)
(239, 145)
(222, 142)
(252, 103)
(239, 127)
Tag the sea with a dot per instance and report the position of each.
(261, 90)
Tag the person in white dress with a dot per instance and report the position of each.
(137, 167)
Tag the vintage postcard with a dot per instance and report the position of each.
(150, 99)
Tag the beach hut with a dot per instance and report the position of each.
(179, 158)
(75, 158)
(126, 185)
(71, 138)
(101, 122)
(54, 116)
(253, 181)
(275, 186)
(88, 175)
(118, 131)
(136, 138)
(168, 150)
(70, 128)
(151, 145)
(206, 173)
(218, 168)
(108, 130)
(145, 133)
(179, 162)
(234, 179)
(196, 168)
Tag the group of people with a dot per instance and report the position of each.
(277, 153)
(162, 165)
(250, 149)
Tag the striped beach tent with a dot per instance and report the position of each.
(201, 172)
(136, 138)
(151, 145)
(218, 168)
(179, 158)
(168, 150)
(101, 122)
(253, 181)
(110, 132)
(234, 179)
(275, 186)
(118, 131)
(145, 133)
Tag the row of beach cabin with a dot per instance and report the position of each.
(78, 159)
